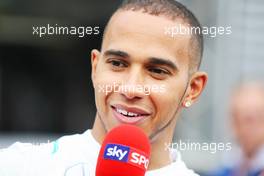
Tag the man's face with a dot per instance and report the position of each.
(137, 54)
(247, 110)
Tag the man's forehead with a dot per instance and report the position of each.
(249, 91)
(138, 21)
(248, 98)
(143, 25)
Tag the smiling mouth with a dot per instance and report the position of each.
(129, 115)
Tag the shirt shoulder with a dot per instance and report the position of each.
(176, 168)
(58, 155)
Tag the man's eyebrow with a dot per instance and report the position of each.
(116, 53)
(165, 62)
(151, 60)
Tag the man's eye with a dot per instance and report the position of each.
(158, 71)
(117, 64)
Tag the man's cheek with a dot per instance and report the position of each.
(103, 86)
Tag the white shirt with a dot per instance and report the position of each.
(74, 155)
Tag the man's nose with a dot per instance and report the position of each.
(133, 86)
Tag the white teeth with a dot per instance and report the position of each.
(132, 114)
(121, 111)
(124, 112)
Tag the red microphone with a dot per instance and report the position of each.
(125, 152)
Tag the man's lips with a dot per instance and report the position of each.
(130, 115)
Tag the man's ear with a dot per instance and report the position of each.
(95, 55)
(196, 85)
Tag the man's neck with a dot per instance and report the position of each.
(160, 157)
(98, 131)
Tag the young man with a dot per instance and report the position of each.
(247, 121)
(138, 52)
